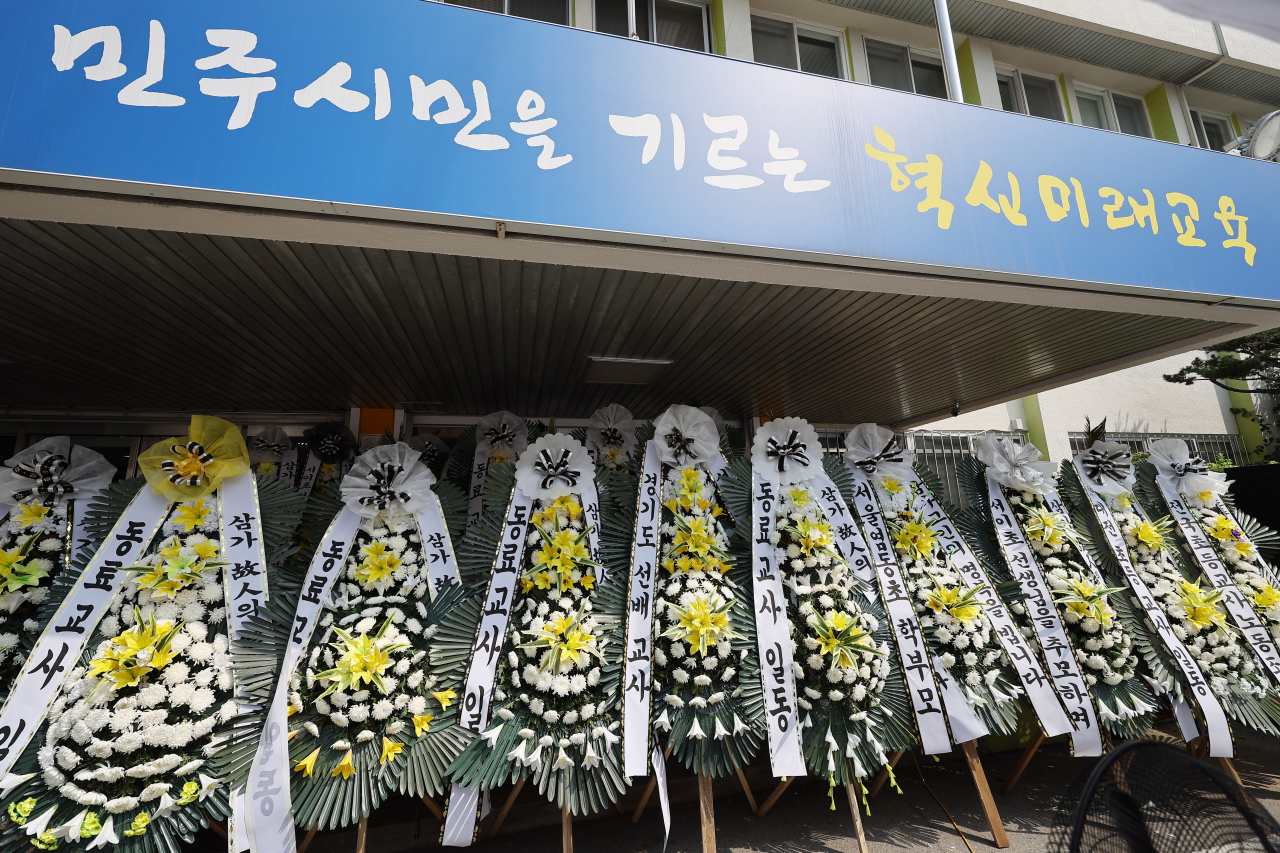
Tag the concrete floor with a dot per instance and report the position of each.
(802, 820)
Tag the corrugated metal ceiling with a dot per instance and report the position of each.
(1022, 29)
(115, 318)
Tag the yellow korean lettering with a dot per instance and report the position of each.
(897, 181)
(980, 194)
(1080, 205)
(931, 182)
(1186, 225)
(1227, 216)
(1056, 208)
(1116, 205)
(1146, 212)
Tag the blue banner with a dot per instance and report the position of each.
(419, 106)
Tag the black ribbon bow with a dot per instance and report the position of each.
(46, 469)
(792, 448)
(890, 453)
(680, 445)
(195, 449)
(381, 483)
(500, 435)
(1116, 465)
(274, 447)
(611, 437)
(1194, 465)
(553, 469)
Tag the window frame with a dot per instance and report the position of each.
(1112, 117)
(1197, 120)
(1020, 92)
(506, 10)
(797, 24)
(650, 7)
(912, 51)
(1108, 107)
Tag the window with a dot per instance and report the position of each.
(1213, 132)
(796, 46)
(1112, 111)
(670, 22)
(896, 66)
(1131, 115)
(551, 11)
(1028, 94)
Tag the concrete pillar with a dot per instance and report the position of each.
(858, 69)
(1165, 110)
(731, 29)
(583, 12)
(1067, 84)
(978, 73)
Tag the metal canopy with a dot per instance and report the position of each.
(217, 311)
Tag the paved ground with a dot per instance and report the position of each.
(802, 820)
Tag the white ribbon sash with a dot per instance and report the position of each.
(310, 472)
(1215, 718)
(848, 539)
(638, 678)
(773, 637)
(965, 724)
(287, 467)
(1242, 613)
(437, 549)
(917, 665)
(64, 638)
(590, 496)
(1053, 719)
(245, 578)
(1064, 669)
(270, 818)
(1054, 501)
(475, 497)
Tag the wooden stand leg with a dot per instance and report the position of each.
(433, 807)
(1020, 768)
(746, 789)
(883, 775)
(773, 798)
(362, 834)
(566, 830)
(506, 807)
(648, 792)
(984, 793)
(218, 827)
(707, 811)
(1229, 767)
(857, 818)
(306, 842)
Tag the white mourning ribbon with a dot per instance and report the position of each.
(269, 821)
(847, 538)
(462, 809)
(437, 548)
(287, 468)
(1060, 658)
(1053, 719)
(637, 696)
(245, 578)
(500, 430)
(1220, 745)
(67, 633)
(310, 472)
(913, 653)
(773, 636)
(1242, 613)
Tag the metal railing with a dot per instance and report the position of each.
(939, 450)
(1205, 445)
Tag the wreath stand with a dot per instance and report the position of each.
(706, 805)
(974, 763)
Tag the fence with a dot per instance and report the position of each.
(1205, 445)
(939, 451)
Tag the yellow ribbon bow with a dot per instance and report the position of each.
(192, 466)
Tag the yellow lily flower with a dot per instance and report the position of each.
(345, 768)
(390, 749)
(206, 550)
(1202, 608)
(1267, 597)
(799, 496)
(702, 623)
(1221, 527)
(422, 724)
(916, 539)
(308, 764)
(839, 636)
(1045, 528)
(566, 640)
(362, 659)
(587, 582)
(525, 584)
(1153, 535)
(892, 485)
(445, 697)
(32, 512)
(191, 516)
(959, 605)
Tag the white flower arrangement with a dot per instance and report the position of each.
(1103, 648)
(1194, 615)
(1241, 558)
(34, 541)
(127, 736)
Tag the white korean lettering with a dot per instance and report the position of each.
(381, 94)
(425, 97)
(136, 94)
(648, 125)
(237, 45)
(677, 131)
(329, 86)
(67, 48)
(529, 108)
(480, 141)
(785, 163)
(737, 125)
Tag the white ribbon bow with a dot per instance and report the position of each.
(876, 451)
(1014, 466)
(786, 451)
(612, 427)
(1172, 458)
(52, 471)
(552, 467)
(502, 431)
(388, 480)
(686, 436)
(1108, 466)
(272, 441)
